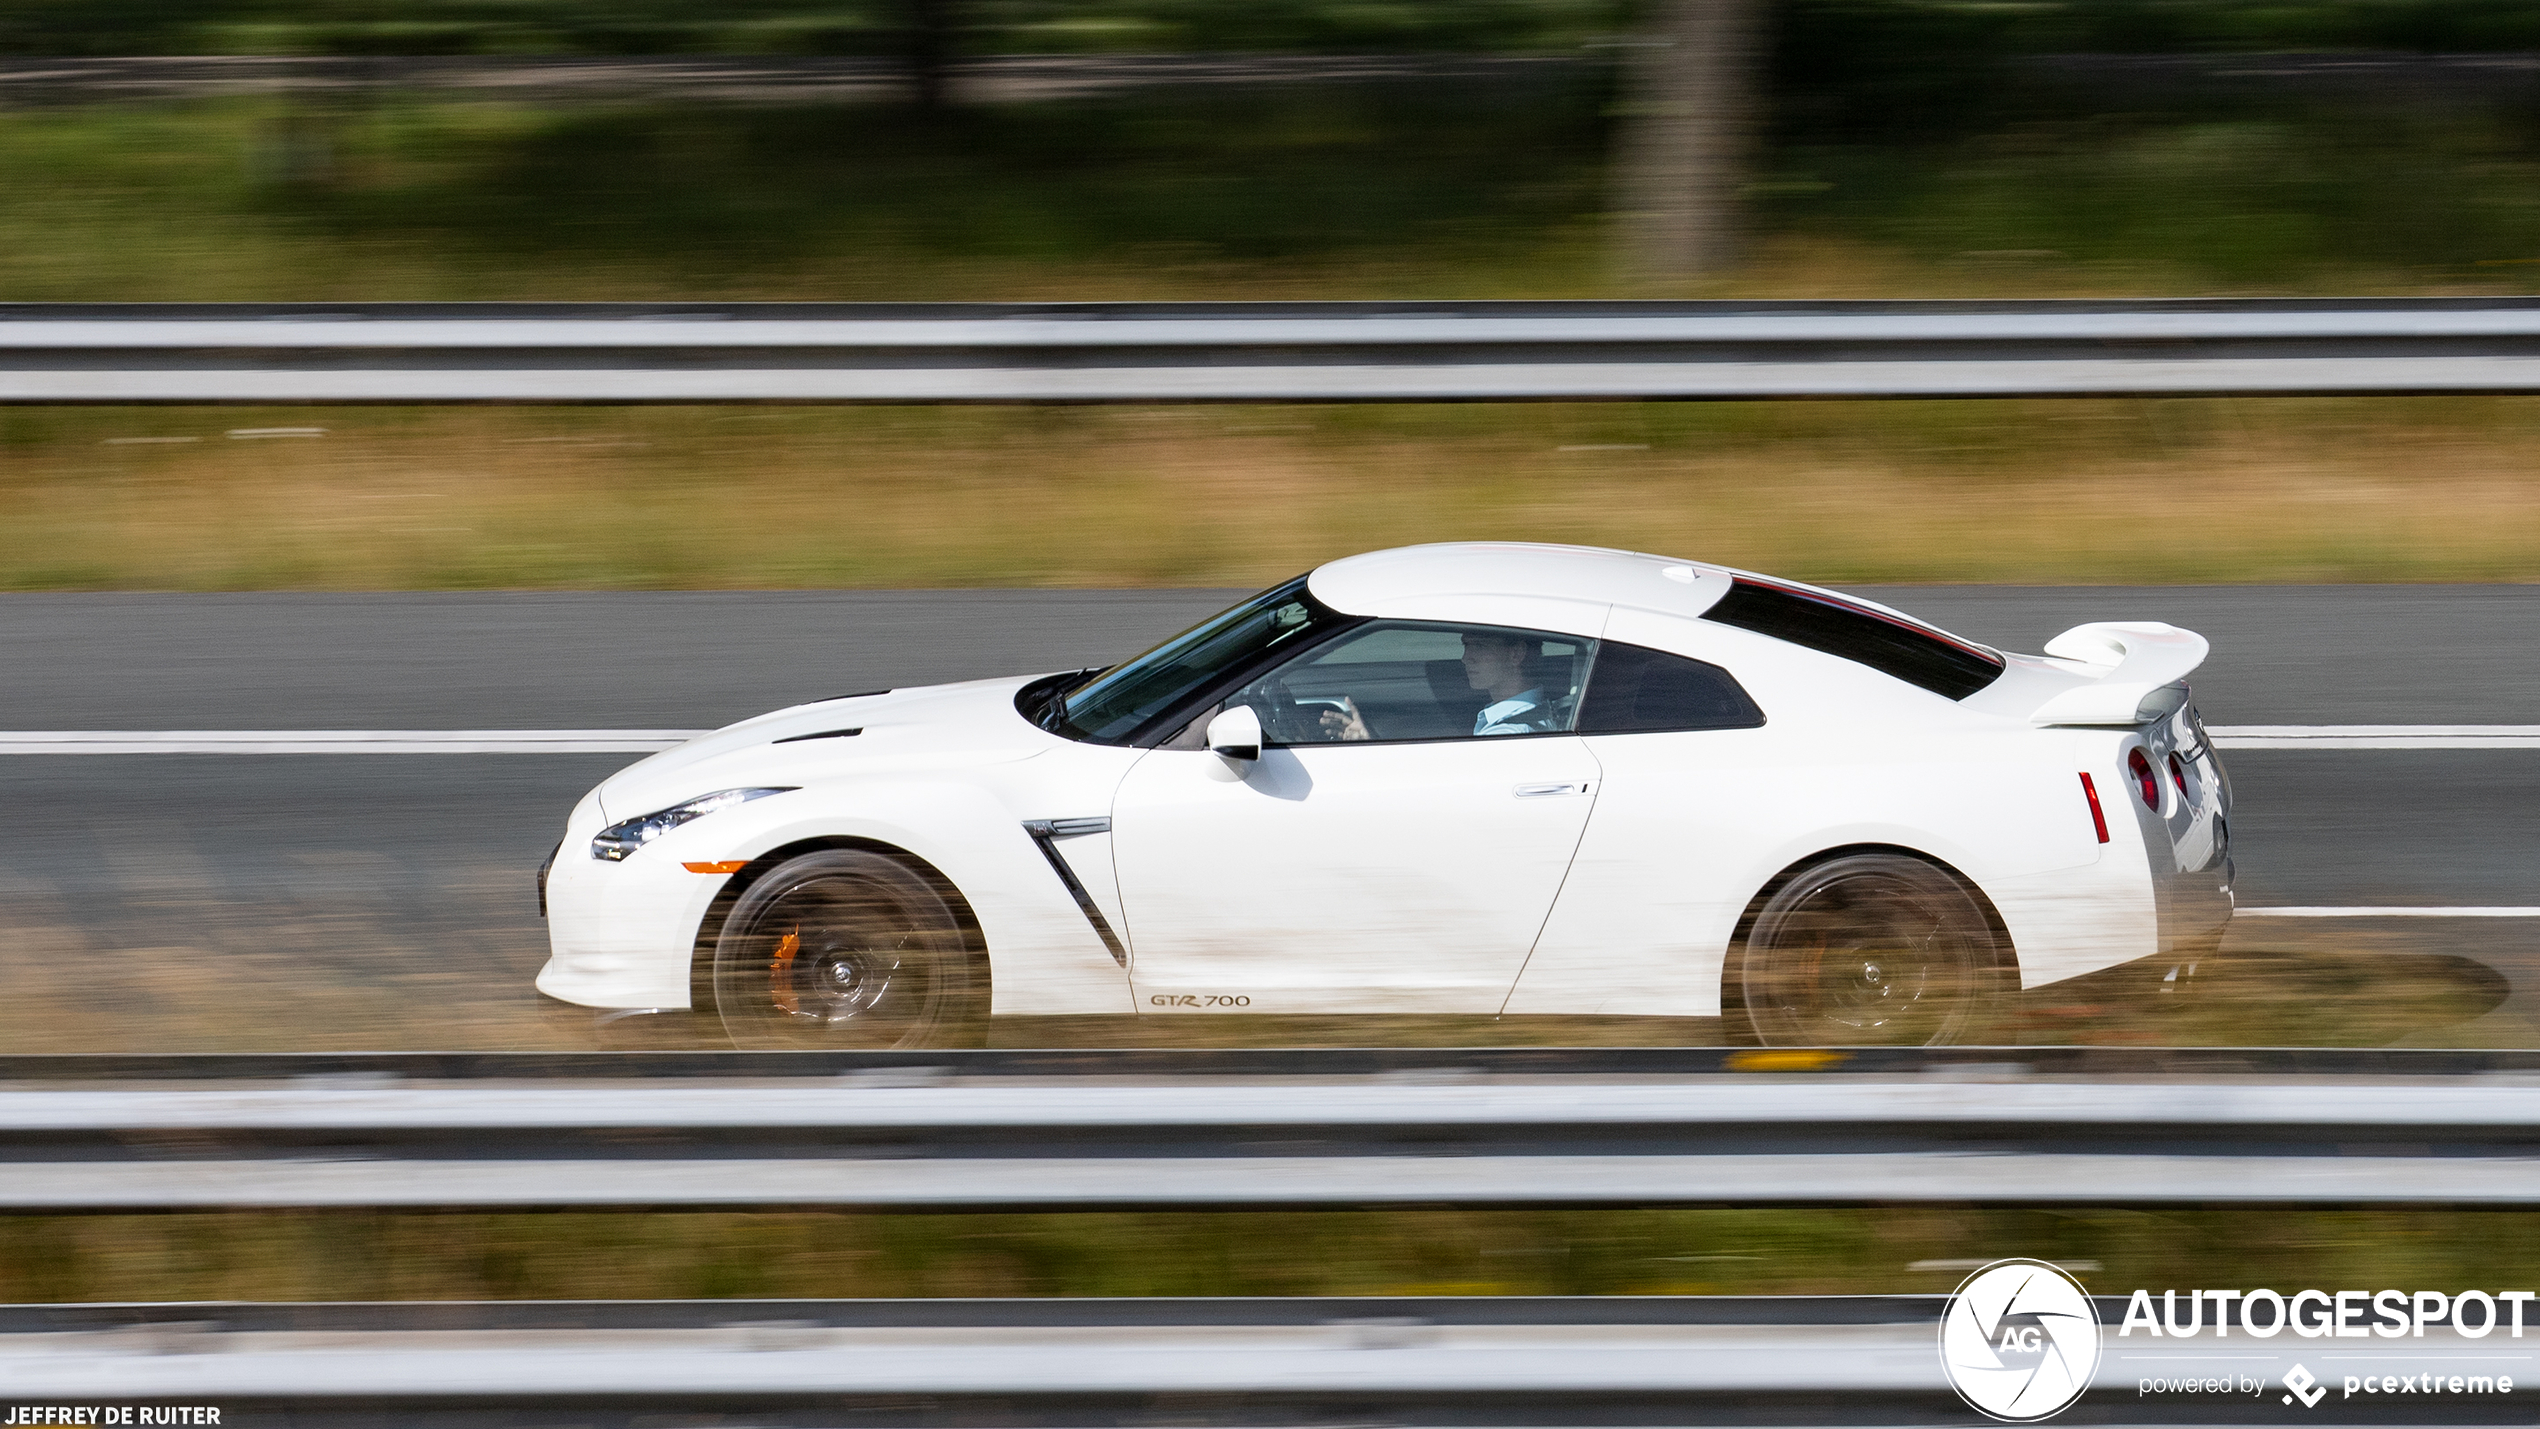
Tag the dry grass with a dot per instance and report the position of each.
(341, 1256)
(2036, 492)
(354, 974)
(308, 976)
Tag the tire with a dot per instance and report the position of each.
(1867, 950)
(847, 948)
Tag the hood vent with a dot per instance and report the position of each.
(824, 734)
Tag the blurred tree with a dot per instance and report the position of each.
(1691, 103)
(931, 25)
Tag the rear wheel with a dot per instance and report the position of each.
(847, 948)
(1868, 950)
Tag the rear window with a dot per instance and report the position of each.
(1948, 667)
(1636, 691)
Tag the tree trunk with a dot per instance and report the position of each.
(1692, 96)
(929, 31)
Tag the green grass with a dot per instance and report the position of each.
(2326, 201)
(276, 200)
(1444, 189)
(349, 1256)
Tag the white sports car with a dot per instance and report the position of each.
(1468, 779)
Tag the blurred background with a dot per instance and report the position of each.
(219, 150)
(174, 567)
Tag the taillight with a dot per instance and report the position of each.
(2145, 782)
(2178, 775)
(2098, 820)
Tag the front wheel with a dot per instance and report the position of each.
(1867, 950)
(847, 948)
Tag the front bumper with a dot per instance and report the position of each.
(621, 935)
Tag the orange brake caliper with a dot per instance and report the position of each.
(780, 980)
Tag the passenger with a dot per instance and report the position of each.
(1496, 666)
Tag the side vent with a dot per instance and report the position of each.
(1045, 835)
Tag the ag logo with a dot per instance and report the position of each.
(2020, 1340)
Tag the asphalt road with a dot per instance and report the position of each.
(340, 901)
(2282, 654)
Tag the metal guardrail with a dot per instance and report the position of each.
(1013, 1354)
(1098, 1131)
(1257, 352)
(1479, 1362)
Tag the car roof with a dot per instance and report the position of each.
(1380, 579)
(1360, 585)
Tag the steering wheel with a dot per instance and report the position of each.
(1364, 722)
(1281, 719)
(1289, 720)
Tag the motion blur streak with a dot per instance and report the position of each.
(2389, 912)
(2377, 736)
(345, 741)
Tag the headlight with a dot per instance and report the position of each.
(618, 840)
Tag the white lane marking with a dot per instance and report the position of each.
(2375, 736)
(644, 741)
(345, 741)
(2387, 912)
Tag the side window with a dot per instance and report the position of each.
(1917, 654)
(1636, 691)
(1392, 681)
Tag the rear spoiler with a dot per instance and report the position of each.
(2134, 666)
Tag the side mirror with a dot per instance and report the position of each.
(1235, 733)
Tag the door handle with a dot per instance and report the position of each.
(1552, 789)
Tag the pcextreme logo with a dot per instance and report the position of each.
(2020, 1341)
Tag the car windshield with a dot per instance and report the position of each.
(1117, 703)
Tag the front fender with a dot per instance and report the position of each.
(627, 931)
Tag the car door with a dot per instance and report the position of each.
(1692, 776)
(1397, 845)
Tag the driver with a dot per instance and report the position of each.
(1495, 664)
(1346, 723)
